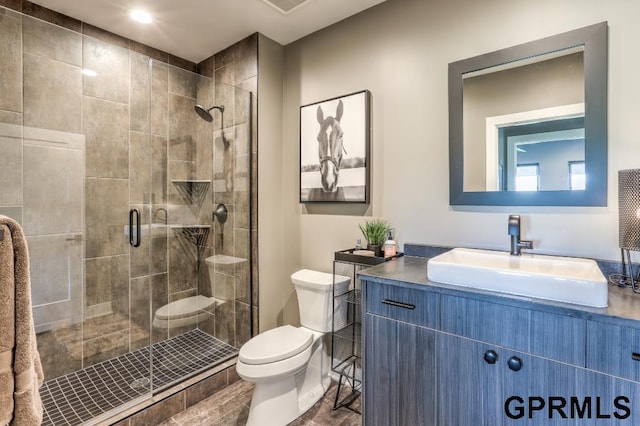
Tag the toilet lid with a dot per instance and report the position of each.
(275, 345)
(186, 307)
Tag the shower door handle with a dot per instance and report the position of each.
(134, 242)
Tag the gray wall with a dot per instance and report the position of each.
(399, 50)
(274, 252)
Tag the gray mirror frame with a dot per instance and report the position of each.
(594, 40)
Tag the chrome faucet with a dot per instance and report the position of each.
(514, 231)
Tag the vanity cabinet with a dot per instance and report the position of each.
(399, 380)
(450, 357)
(625, 360)
(484, 384)
(400, 377)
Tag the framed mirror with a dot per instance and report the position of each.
(528, 124)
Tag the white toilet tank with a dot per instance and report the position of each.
(314, 290)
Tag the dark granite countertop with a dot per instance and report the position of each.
(408, 271)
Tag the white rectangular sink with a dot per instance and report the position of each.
(562, 279)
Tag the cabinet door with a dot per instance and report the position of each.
(467, 384)
(605, 399)
(475, 390)
(613, 349)
(400, 373)
(533, 391)
(381, 384)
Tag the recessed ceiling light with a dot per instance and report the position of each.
(141, 16)
(90, 73)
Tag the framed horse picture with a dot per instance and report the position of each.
(334, 150)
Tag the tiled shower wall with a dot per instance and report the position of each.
(113, 142)
(235, 69)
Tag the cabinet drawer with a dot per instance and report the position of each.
(522, 329)
(419, 307)
(613, 349)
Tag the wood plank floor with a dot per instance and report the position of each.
(230, 407)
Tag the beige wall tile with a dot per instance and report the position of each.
(56, 351)
(140, 96)
(206, 388)
(159, 98)
(140, 151)
(111, 63)
(182, 263)
(243, 324)
(246, 58)
(10, 62)
(183, 82)
(53, 190)
(140, 295)
(56, 279)
(106, 214)
(53, 42)
(225, 323)
(10, 117)
(241, 199)
(12, 212)
(52, 94)
(160, 411)
(51, 278)
(10, 171)
(159, 171)
(104, 275)
(106, 125)
(182, 128)
(223, 165)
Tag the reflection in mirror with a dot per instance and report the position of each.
(522, 103)
(528, 123)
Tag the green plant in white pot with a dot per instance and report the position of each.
(375, 232)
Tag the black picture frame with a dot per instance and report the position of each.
(331, 172)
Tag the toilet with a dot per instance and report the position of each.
(290, 365)
(191, 310)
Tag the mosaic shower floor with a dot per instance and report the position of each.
(83, 395)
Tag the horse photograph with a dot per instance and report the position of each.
(334, 146)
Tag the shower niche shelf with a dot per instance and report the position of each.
(193, 191)
(196, 234)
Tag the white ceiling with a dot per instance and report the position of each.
(196, 29)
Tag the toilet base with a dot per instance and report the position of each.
(274, 403)
(278, 403)
(308, 399)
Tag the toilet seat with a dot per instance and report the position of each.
(186, 307)
(275, 345)
(184, 312)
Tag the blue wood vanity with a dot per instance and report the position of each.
(436, 354)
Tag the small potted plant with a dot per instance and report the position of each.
(375, 232)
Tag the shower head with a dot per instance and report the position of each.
(204, 112)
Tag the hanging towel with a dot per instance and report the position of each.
(20, 369)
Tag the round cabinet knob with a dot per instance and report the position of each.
(514, 363)
(490, 356)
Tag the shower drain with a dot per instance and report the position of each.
(141, 383)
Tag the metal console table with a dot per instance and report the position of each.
(346, 347)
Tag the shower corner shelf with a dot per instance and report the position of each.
(197, 234)
(192, 190)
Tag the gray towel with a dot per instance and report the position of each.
(20, 369)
